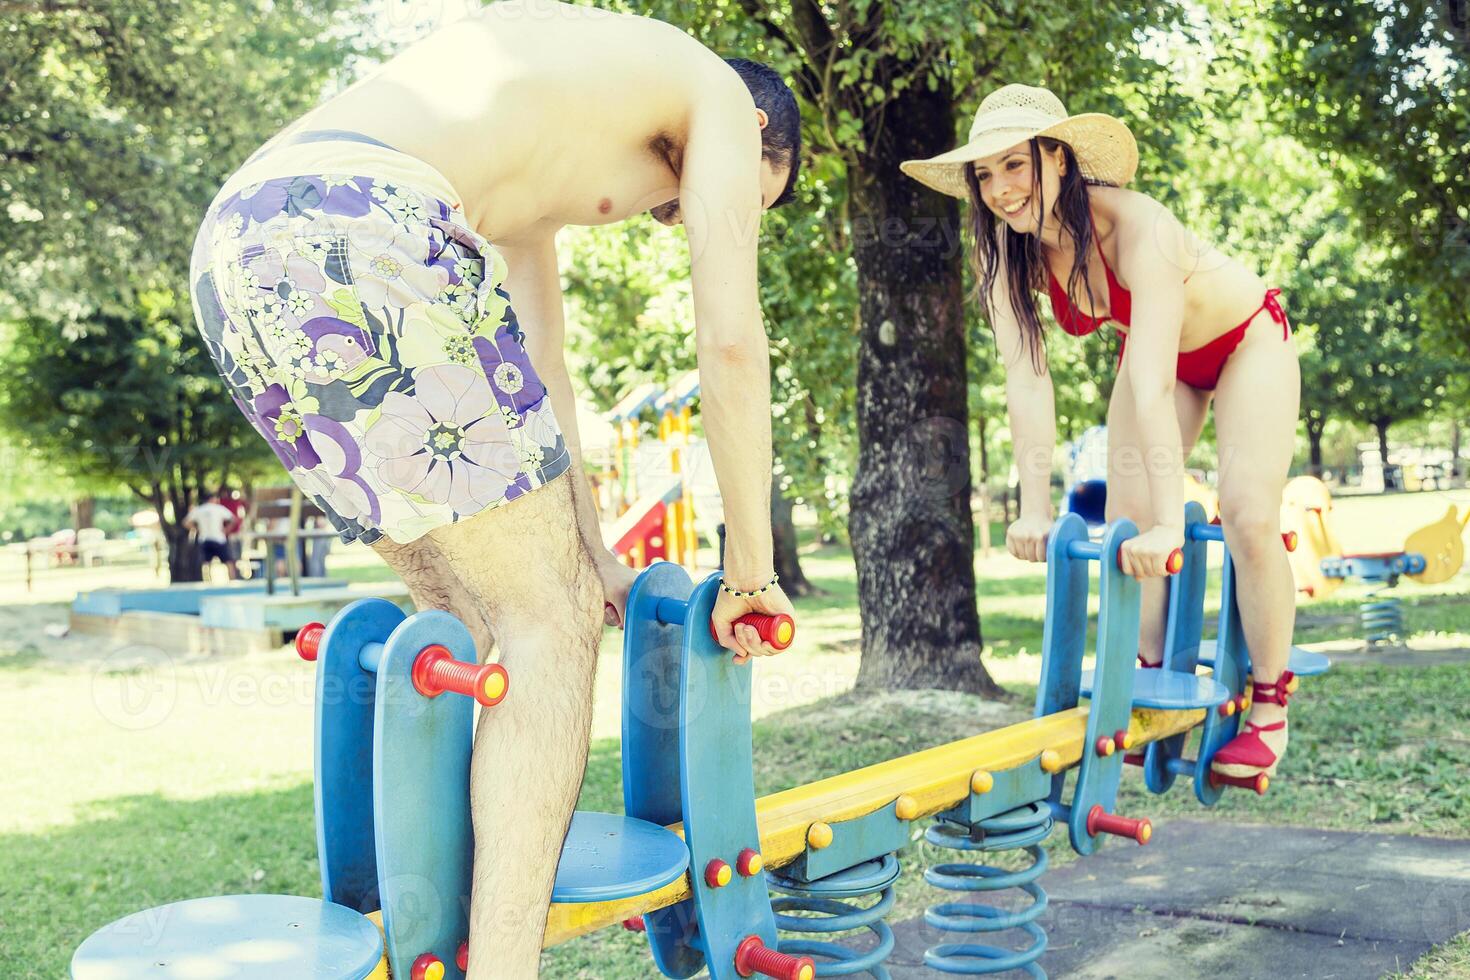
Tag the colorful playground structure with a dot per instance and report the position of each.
(694, 860)
(1430, 555)
(650, 494)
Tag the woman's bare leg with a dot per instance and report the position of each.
(1128, 494)
(1256, 407)
(521, 576)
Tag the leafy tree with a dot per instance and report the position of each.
(119, 122)
(133, 399)
(1379, 89)
(1375, 366)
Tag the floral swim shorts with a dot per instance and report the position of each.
(364, 330)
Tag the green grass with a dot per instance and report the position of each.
(1451, 961)
(109, 809)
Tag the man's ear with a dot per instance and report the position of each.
(762, 118)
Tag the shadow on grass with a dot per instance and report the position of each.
(22, 658)
(1023, 585)
(134, 852)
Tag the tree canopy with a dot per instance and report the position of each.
(121, 121)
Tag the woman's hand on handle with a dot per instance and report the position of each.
(1026, 538)
(738, 638)
(1148, 555)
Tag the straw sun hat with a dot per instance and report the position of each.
(1105, 149)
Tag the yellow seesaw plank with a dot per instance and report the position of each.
(936, 778)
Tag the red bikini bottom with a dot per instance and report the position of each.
(1201, 367)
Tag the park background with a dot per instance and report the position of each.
(1325, 145)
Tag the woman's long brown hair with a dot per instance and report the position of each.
(1025, 268)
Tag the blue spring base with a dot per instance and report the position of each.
(1382, 616)
(1024, 827)
(830, 898)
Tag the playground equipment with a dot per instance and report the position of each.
(1430, 555)
(654, 500)
(694, 860)
(1226, 656)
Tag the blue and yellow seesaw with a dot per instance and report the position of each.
(694, 861)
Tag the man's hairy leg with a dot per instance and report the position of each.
(433, 584)
(523, 573)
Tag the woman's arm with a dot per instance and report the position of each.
(1031, 408)
(1153, 258)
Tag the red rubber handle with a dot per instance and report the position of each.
(1259, 782)
(752, 957)
(1099, 821)
(778, 630)
(309, 640)
(435, 672)
(1288, 538)
(1172, 564)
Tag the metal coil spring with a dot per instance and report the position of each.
(830, 898)
(1382, 614)
(1024, 827)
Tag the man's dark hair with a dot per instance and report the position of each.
(781, 139)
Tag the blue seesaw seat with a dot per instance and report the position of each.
(1302, 663)
(608, 856)
(1169, 690)
(240, 937)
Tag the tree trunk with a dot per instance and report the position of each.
(83, 512)
(1455, 436)
(1382, 426)
(783, 538)
(183, 556)
(1314, 443)
(911, 524)
(985, 542)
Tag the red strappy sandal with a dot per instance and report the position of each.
(1144, 664)
(1247, 754)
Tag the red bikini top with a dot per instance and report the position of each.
(1073, 320)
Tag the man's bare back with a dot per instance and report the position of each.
(541, 114)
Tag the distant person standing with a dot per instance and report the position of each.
(209, 521)
(317, 548)
(234, 501)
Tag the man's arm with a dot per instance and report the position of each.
(720, 198)
(533, 281)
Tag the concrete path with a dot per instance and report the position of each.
(1225, 900)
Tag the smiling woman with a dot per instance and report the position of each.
(1046, 190)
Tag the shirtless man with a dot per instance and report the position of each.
(379, 288)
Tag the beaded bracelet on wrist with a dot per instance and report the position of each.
(724, 587)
